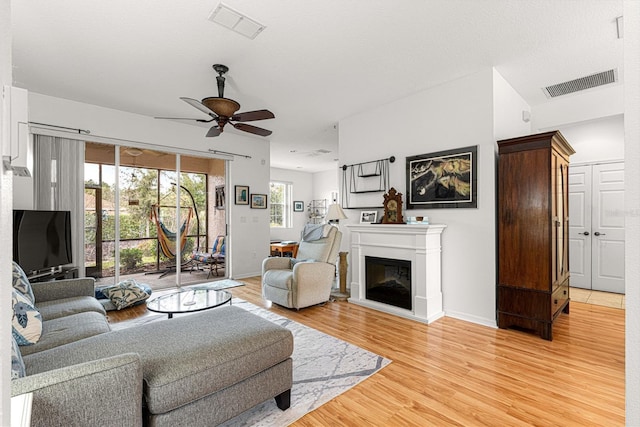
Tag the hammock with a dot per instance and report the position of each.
(167, 238)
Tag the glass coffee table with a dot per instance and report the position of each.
(188, 301)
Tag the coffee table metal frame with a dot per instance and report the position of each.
(188, 301)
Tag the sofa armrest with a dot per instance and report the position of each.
(314, 274)
(58, 289)
(276, 263)
(103, 392)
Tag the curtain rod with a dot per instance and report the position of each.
(211, 150)
(80, 131)
(88, 132)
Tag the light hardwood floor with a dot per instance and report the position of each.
(458, 373)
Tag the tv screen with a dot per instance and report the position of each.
(41, 239)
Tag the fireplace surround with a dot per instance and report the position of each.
(417, 246)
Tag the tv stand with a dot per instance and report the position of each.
(57, 274)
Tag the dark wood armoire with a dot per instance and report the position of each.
(533, 226)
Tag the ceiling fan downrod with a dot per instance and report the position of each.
(221, 70)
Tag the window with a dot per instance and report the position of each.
(280, 204)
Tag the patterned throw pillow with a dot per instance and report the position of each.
(21, 283)
(17, 364)
(125, 293)
(27, 321)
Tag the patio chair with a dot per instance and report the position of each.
(214, 259)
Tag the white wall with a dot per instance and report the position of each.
(601, 102)
(302, 183)
(6, 219)
(508, 108)
(454, 114)
(325, 184)
(596, 140)
(632, 207)
(249, 228)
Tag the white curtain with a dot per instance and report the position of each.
(59, 185)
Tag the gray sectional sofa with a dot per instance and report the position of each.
(196, 370)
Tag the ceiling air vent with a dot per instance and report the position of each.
(582, 83)
(236, 21)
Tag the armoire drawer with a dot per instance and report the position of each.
(559, 298)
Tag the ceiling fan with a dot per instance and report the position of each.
(223, 110)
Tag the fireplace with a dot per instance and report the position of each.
(404, 277)
(388, 281)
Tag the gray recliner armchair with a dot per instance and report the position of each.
(307, 279)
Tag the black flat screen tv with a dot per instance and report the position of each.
(41, 239)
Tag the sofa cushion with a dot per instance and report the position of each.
(125, 294)
(26, 321)
(17, 364)
(281, 279)
(21, 283)
(64, 330)
(69, 306)
(181, 362)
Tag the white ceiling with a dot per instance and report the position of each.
(317, 61)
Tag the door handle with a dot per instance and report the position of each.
(599, 234)
(586, 233)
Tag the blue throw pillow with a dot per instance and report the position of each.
(17, 364)
(21, 283)
(26, 321)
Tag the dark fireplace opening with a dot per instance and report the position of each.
(388, 281)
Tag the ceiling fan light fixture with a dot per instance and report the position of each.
(224, 107)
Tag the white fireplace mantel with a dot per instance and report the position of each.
(418, 243)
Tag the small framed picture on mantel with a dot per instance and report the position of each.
(368, 217)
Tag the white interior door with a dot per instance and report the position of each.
(580, 226)
(607, 242)
(596, 227)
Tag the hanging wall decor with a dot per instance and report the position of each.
(220, 199)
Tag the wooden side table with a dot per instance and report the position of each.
(282, 248)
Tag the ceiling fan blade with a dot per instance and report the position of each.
(251, 129)
(199, 105)
(185, 118)
(250, 116)
(214, 131)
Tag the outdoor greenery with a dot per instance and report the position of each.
(277, 204)
(141, 190)
(130, 258)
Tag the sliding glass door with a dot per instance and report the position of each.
(150, 219)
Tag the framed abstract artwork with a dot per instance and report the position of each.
(445, 179)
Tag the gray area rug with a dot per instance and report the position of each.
(323, 368)
(217, 285)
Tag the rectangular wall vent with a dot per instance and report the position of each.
(583, 83)
(236, 21)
